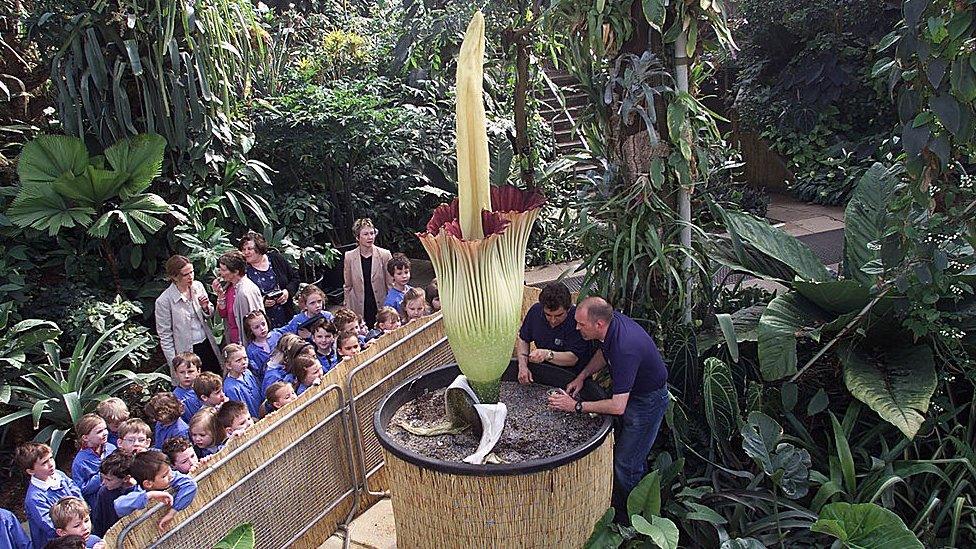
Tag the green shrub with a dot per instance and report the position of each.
(93, 318)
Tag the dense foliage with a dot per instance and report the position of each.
(803, 82)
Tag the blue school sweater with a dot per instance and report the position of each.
(113, 438)
(103, 514)
(275, 372)
(184, 485)
(292, 326)
(394, 297)
(257, 356)
(84, 471)
(177, 429)
(328, 362)
(11, 534)
(246, 390)
(191, 402)
(37, 505)
(92, 540)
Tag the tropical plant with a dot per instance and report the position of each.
(18, 340)
(56, 391)
(240, 537)
(882, 366)
(63, 188)
(179, 70)
(94, 317)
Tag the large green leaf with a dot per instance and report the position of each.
(138, 159)
(786, 317)
(663, 532)
(721, 399)
(866, 219)
(241, 537)
(777, 244)
(788, 466)
(744, 258)
(897, 382)
(865, 526)
(48, 157)
(836, 296)
(645, 498)
(39, 207)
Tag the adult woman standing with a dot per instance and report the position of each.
(181, 316)
(236, 295)
(270, 272)
(363, 291)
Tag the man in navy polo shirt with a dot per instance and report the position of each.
(640, 390)
(550, 325)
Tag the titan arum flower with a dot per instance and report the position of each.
(477, 243)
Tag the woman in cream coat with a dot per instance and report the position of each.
(182, 311)
(363, 303)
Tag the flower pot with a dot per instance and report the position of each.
(550, 502)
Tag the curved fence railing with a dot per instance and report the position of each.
(303, 472)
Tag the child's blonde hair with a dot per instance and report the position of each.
(164, 408)
(113, 410)
(386, 314)
(411, 295)
(85, 425)
(135, 426)
(273, 389)
(207, 418)
(67, 509)
(230, 350)
(283, 349)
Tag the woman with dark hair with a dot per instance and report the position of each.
(181, 316)
(273, 275)
(236, 295)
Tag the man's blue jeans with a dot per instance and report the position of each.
(634, 436)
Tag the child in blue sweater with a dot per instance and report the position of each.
(307, 371)
(261, 341)
(287, 346)
(153, 475)
(93, 445)
(11, 534)
(116, 482)
(311, 300)
(323, 337)
(399, 268)
(186, 368)
(47, 485)
(165, 409)
(71, 517)
(239, 383)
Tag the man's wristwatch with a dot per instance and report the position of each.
(579, 406)
(549, 355)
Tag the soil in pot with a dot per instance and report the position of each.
(532, 431)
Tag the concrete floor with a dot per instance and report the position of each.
(373, 529)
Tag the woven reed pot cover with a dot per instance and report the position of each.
(556, 508)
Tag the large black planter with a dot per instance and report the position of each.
(551, 502)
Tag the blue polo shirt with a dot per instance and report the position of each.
(636, 365)
(561, 338)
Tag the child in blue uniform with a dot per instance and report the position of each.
(399, 268)
(165, 409)
(288, 346)
(307, 371)
(153, 475)
(206, 435)
(233, 419)
(239, 383)
(186, 368)
(311, 300)
(47, 485)
(114, 411)
(279, 394)
(11, 534)
(210, 388)
(135, 436)
(92, 434)
(261, 341)
(116, 482)
(71, 517)
(323, 337)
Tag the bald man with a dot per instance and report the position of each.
(640, 390)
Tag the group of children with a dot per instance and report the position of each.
(107, 481)
(124, 463)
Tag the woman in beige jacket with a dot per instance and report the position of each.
(182, 311)
(365, 257)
